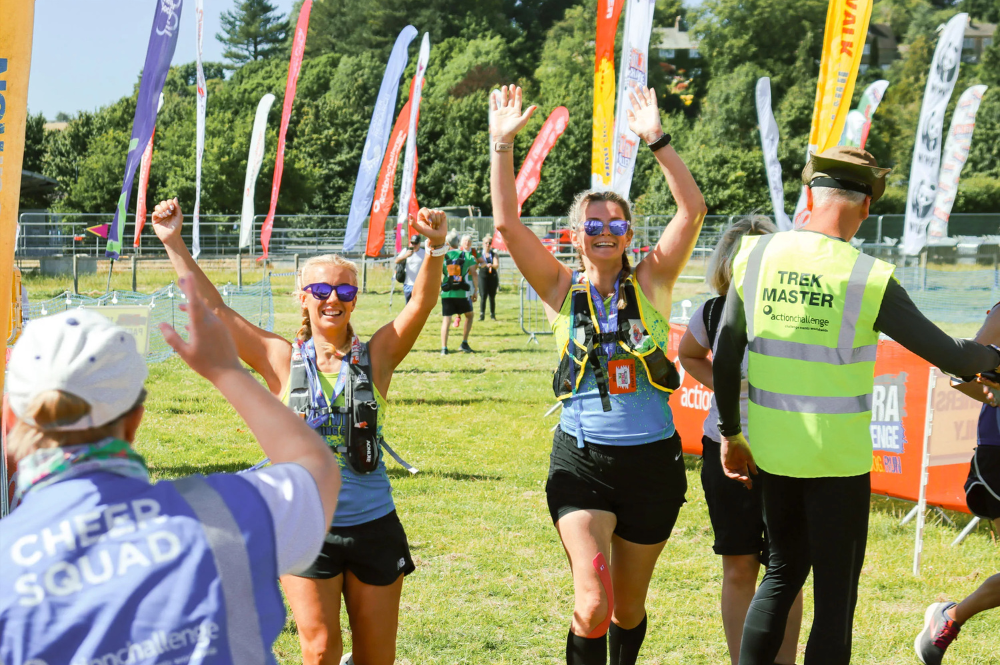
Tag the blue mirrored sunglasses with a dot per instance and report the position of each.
(594, 227)
(322, 291)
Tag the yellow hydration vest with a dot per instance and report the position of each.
(811, 302)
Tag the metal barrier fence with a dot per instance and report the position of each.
(531, 316)
(254, 302)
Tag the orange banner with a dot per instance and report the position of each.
(16, 24)
(608, 12)
(384, 197)
(899, 417)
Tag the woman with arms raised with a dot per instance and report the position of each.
(339, 385)
(616, 479)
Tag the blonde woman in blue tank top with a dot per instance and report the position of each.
(365, 554)
(616, 478)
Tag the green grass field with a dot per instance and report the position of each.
(492, 583)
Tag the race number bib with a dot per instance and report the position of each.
(621, 376)
(455, 272)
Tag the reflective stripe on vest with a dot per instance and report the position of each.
(232, 562)
(810, 304)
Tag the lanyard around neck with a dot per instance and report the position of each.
(320, 407)
(607, 319)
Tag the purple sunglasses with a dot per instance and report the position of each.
(594, 227)
(322, 291)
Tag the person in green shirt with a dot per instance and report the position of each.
(458, 291)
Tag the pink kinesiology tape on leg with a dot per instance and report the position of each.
(601, 566)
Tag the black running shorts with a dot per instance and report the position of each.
(735, 511)
(642, 485)
(453, 306)
(982, 489)
(376, 552)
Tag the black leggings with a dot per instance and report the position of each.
(489, 282)
(811, 522)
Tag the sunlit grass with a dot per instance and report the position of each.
(492, 584)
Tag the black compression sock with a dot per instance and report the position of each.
(585, 650)
(624, 644)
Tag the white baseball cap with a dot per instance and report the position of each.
(79, 352)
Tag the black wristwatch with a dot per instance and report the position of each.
(661, 142)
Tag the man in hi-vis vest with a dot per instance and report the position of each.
(810, 308)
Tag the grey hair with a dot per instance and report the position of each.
(719, 273)
(466, 239)
(824, 195)
(452, 238)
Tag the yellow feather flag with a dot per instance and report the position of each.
(16, 24)
(843, 46)
(608, 12)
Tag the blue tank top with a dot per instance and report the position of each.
(989, 426)
(639, 417)
(363, 497)
(103, 568)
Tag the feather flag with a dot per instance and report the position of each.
(926, 163)
(386, 182)
(956, 153)
(254, 161)
(634, 71)
(769, 146)
(201, 101)
(602, 146)
(378, 135)
(531, 170)
(159, 53)
(843, 45)
(140, 199)
(409, 184)
(294, 66)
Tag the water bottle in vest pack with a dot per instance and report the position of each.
(106, 569)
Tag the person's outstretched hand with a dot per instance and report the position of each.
(210, 350)
(644, 116)
(506, 119)
(737, 460)
(432, 224)
(167, 221)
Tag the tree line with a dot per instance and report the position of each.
(547, 47)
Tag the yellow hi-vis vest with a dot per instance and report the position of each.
(810, 302)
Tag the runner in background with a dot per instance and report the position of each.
(413, 254)
(489, 279)
(465, 245)
(616, 477)
(98, 561)
(737, 520)
(366, 554)
(943, 621)
(458, 290)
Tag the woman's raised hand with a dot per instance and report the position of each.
(506, 119)
(167, 221)
(644, 116)
(432, 224)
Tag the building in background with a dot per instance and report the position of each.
(978, 38)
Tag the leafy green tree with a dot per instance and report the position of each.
(253, 30)
(765, 33)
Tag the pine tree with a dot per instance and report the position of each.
(252, 31)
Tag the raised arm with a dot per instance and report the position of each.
(658, 272)
(547, 276)
(390, 344)
(282, 434)
(269, 354)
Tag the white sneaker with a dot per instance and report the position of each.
(347, 660)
